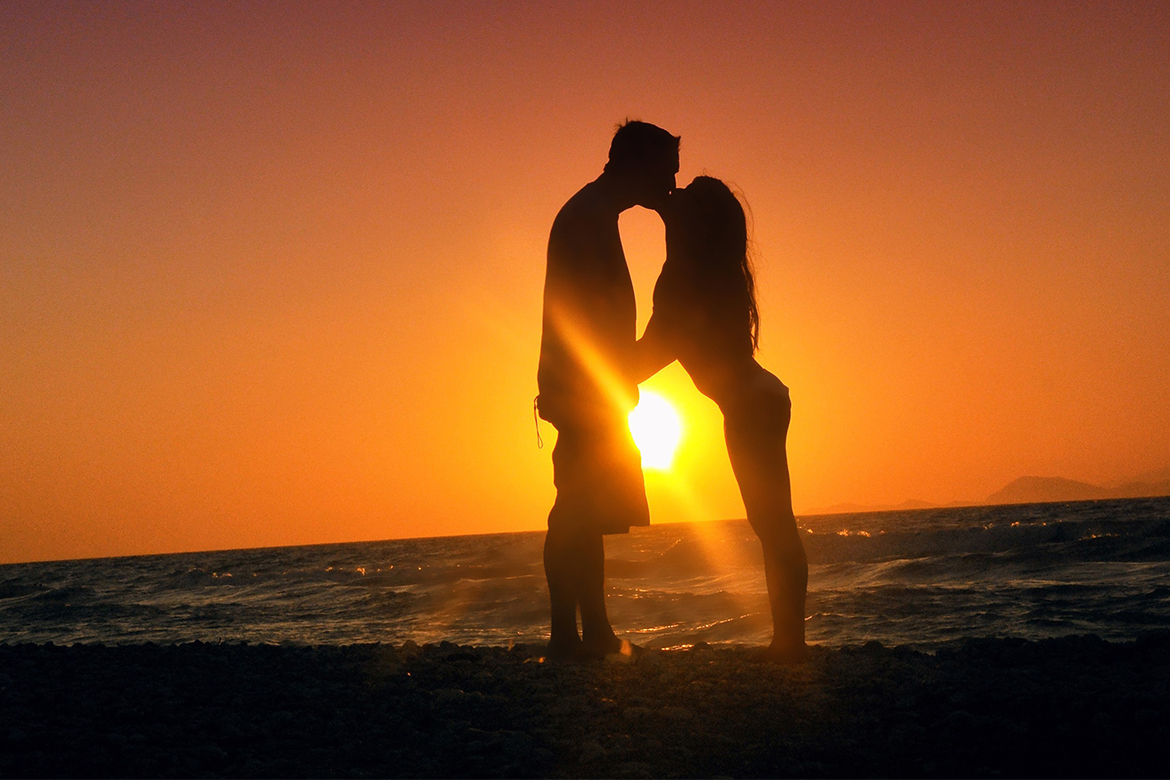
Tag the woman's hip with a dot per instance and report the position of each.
(761, 403)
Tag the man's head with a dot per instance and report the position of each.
(646, 157)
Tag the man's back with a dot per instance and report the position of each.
(589, 315)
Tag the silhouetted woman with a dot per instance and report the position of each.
(705, 316)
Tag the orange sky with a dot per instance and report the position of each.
(270, 274)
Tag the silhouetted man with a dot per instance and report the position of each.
(586, 383)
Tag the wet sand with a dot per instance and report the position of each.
(1073, 707)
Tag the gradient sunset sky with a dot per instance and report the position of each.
(271, 273)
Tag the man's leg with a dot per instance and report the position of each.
(596, 632)
(620, 502)
(561, 571)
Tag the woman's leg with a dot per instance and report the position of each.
(756, 435)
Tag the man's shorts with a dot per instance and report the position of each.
(597, 471)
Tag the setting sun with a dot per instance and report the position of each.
(657, 429)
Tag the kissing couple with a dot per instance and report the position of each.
(591, 363)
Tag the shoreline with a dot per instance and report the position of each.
(1067, 707)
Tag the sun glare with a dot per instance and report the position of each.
(656, 429)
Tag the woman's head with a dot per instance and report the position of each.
(712, 222)
(717, 226)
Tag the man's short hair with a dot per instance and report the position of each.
(637, 143)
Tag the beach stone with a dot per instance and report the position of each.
(959, 723)
(581, 702)
(676, 713)
(651, 660)
(516, 745)
(591, 752)
(618, 744)
(452, 697)
(242, 711)
(636, 769)
(559, 708)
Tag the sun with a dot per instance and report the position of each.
(656, 429)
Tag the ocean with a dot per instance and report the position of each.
(923, 578)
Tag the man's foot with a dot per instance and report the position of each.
(600, 648)
(628, 652)
(569, 649)
(776, 654)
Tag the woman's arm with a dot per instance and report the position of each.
(654, 351)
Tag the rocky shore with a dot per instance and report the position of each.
(1071, 707)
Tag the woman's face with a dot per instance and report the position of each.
(695, 220)
(679, 216)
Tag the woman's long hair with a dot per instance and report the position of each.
(721, 237)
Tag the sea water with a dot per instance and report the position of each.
(924, 578)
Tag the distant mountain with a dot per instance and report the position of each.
(1035, 490)
(1154, 483)
(1154, 477)
(1142, 489)
(1031, 490)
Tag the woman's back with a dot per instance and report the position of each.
(704, 307)
(704, 317)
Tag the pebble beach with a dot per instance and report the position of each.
(1070, 707)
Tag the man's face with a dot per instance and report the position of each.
(659, 181)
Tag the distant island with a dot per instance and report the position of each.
(1031, 490)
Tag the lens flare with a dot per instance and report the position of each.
(656, 429)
